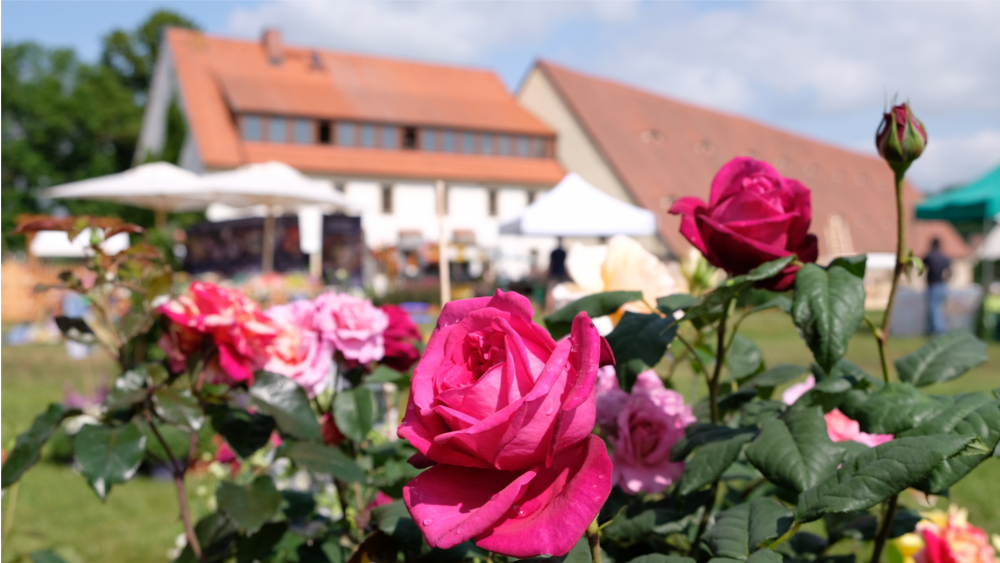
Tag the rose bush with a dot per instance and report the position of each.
(299, 351)
(950, 538)
(838, 425)
(401, 336)
(506, 414)
(353, 326)
(753, 216)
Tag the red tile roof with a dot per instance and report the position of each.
(661, 150)
(219, 77)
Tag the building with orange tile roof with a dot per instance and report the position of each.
(383, 130)
(650, 150)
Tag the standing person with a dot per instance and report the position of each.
(557, 273)
(938, 271)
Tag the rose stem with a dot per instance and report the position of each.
(178, 471)
(883, 533)
(594, 539)
(704, 518)
(720, 356)
(883, 337)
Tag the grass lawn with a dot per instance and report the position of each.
(56, 510)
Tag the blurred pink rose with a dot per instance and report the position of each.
(753, 216)
(239, 329)
(610, 401)
(400, 336)
(838, 425)
(380, 499)
(648, 423)
(353, 326)
(332, 435)
(949, 538)
(507, 414)
(299, 352)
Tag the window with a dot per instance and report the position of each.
(324, 132)
(504, 145)
(468, 143)
(486, 144)
(276, 130)
(493, 202)
(345, 134)
(448, 142)
(368, 136)
(427, 139)
(388, 137)
(303, 131)
(531, 197)
(251, 128)
(522, 146)
(409, 138)
(387, 199)
(540, 149)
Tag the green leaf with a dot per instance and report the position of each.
(744, 358)
(244, 432)
(46, 556)
(323, 459)
(287, 403)
(795, 453)
(579, 554)
(827, 308)
(739, 531)
(942, 358)
(879, 473)
(710, 461)
(661, 558)
(732, 287)
(640, 336)
(250, 506)
(764, 556)
(597, 305)
(777, 302)
(973, 415)
(853, 264)
(676, 302)
(354, 412)
(128, 388)
(179, 407)
(699, 434)
(387, 516)
(384, 374)
(637, 521)
(108, 455)
(781, 373)
(215, 534)
(28, 447)
(258, 546)
(895, 408)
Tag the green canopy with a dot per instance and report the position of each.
(975, 202)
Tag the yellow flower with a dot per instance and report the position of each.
(908, 546)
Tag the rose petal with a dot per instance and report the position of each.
(558, 505)
(729, 179)
(453, 504)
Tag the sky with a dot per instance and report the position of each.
(825, 70)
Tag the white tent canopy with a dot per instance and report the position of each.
(159, 186)
(574, 208)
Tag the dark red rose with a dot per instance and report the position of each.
(328, 427)
(753, 216)
(400, 337)
(901, 137)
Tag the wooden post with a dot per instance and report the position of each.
(444, 268)
(267, 260)
(160, 218)
(316, 265)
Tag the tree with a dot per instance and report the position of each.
(132, 54)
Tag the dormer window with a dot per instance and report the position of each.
(486, 144)
(389, 137)
(368, 136)
(345, 134)
(303, 131)
(448, 141)
(250, 125)
(276, 130)
(409, 138)
(427, 139)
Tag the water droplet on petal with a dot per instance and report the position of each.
(600, 476)
(427, 521)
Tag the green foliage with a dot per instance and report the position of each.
(942, 358)
(286, 401)
(743, 529)
(244, 432)
(828, 306)
(108, 455)
(795, 452)
(642, 337)
(28, 447)
(354, 412)
(323, 459)
(251, 505)
(711, 460)
(597, 305)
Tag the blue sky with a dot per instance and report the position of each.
(821, 69)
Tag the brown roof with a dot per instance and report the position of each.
(661, 150)
(219, 77)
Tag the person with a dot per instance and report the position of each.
(938, 271)
(557, 263)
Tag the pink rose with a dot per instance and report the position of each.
(610, 401)
(299, 352)
(648, 423)
(506, 413)
(400, 336)
(753, 216)
(838, 425)
(951, 539)
(239, 329)
(353, 326)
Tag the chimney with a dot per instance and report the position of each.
(271, 40)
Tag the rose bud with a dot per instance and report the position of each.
(901, 137)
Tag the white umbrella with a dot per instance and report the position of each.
(576, 208)
(159, 186)
(273, 184)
